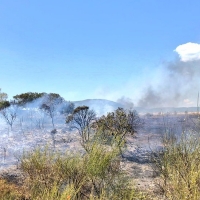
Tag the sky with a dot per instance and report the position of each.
(143, 51)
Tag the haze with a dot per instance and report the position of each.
(144, 52)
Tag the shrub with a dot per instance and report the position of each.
(94, 175)
(117, 125)
(178, 165)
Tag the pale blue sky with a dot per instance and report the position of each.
(91, 48)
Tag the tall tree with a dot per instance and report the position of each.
(3, 100)
(50, 105)
(3, 96)
(9, 114)
(81, 119)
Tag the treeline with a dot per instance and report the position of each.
(49, 103)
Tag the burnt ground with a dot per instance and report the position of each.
(136, 158)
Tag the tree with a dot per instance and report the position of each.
(4, 104)
(3, 96)
(81, 119)
(22, 99)
(9, 114)
(67, 108)
(50, 104)
(3, 100)
(118, 124)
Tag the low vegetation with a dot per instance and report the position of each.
(96, 172)
(94, 175)
(10, 191)
(178, 166)
(117, 125)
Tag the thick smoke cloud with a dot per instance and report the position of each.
(179, 86)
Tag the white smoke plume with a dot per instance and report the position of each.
(180, 81)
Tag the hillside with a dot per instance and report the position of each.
(102, 106)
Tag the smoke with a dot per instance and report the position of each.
(33, 115)
(61, 105)
(180, 81)
(126, 102)
(150, 98)
(35, 104)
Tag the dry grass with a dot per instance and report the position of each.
(96, 175)
(178, 165)
(10, 191)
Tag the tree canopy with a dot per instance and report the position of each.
(50, 104)
(27, 97)
(3, 100)
(81, 119)
(119, 123)
(3, 96)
